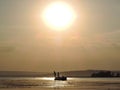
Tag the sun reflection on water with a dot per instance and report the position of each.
(48, 78)
(59, 84)
(54, 83)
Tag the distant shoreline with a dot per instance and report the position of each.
(75, 74)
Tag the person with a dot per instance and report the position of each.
(58, 74)
(54, 74)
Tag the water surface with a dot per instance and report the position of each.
(71, 83)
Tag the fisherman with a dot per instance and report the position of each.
(58, 74)
(54, 74)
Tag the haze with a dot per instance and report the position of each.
(91, 42)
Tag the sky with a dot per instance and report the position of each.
(91, 42)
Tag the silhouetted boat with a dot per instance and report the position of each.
(58, 77)
(61, 78)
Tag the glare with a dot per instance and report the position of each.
(48, 78)
(58, 15)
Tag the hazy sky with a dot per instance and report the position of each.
(92, 42)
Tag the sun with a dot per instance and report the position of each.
(58, 15)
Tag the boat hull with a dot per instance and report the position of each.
(61, 78)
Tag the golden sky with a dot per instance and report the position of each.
(92, 41)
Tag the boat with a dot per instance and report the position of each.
(63, 78)
(58, 77)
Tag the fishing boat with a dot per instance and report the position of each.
(58, 77)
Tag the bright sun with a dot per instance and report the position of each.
(58, 15)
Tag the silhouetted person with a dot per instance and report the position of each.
(54, 74)
(58, 74)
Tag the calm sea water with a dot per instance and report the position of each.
(80, 83)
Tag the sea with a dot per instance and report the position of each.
(48, 83)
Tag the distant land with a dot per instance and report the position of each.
(21, 74)
(81, 73)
